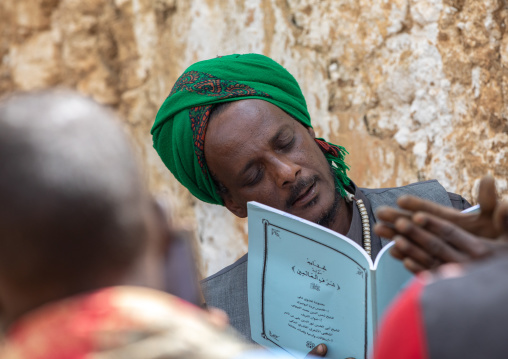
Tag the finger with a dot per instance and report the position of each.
(414, 252)
(384, 230)
(396, 253)
(390, 214)
(487, 196)
(415, 204)
(319, 351)
(412, 266)
(446, 232)
(432, 244)
(501, 219)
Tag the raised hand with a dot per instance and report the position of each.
(480, 224)
(438, 234)
(427, 241)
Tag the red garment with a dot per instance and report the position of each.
(119, 322)
(402, 334)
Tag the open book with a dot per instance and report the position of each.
(309, 285)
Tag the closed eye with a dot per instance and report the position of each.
(255, 178)
(288, 144)
(285, 143)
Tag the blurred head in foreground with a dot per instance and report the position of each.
(75, 223)
(72, 214)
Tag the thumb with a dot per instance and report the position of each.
(501, 220)
(319, 351)
(487, 197)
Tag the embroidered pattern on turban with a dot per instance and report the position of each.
(180, 125)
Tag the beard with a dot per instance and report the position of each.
(329, 214)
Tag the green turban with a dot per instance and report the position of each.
(180, 125)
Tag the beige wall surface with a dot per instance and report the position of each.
(414, 89)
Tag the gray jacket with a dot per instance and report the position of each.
(227, 289)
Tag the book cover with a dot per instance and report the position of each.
(309, 285)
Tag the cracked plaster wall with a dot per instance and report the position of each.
(414, 89)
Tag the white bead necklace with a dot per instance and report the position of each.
(365, 221)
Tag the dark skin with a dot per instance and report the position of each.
(147, 270)
(465, 237)
(17, 301)
(260, 153)
(455, 244)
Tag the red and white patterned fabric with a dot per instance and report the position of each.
(119, 322)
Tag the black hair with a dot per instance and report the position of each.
(71, 199)
(219, 108)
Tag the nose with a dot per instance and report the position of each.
(285, 171)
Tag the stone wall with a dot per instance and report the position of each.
(414, 89)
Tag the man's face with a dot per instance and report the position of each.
(262, 154)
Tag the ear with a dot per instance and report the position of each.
(237, 209)
(311, 132)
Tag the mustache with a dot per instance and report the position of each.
(296, 190)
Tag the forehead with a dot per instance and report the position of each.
(243, 132)
(255, 120)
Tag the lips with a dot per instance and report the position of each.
(306, 195)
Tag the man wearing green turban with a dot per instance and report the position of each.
(236, 129)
